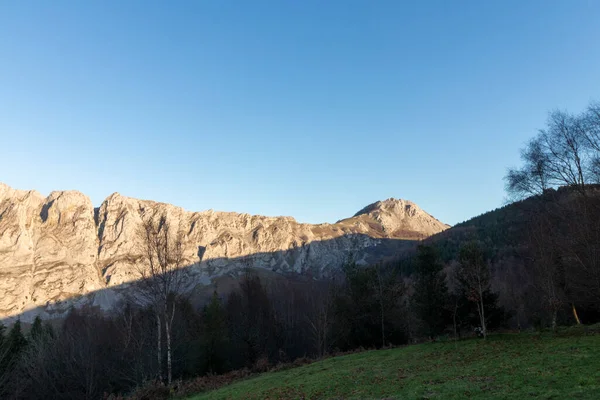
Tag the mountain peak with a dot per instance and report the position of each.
(391, 204)
(401, 218)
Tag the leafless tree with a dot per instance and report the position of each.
(474, 278)
(134, 339)
(532, 178)
(565, 146)
(162, 279)
(379, 289)
(566, 153)
(511, 279)
(320, 317)
(388, 289)
(592, 126)
(548, 276)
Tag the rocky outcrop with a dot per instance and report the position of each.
(59, 250)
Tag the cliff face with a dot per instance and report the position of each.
(59, 250)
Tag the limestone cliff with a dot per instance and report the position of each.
(59, 250)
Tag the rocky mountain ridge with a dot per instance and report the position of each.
(60, 250)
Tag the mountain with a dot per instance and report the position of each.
(56, 249)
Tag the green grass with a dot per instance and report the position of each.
(503, 367)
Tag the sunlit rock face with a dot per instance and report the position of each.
(59, 250)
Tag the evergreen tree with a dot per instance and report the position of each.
(10, 350)
(16, 341)
(251, 320)
(430, 297)
(37, 330)
(48, 330)
(367, 307)
(214, 337)
(3, 358)
(2, 330)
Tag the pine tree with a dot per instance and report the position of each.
(431, 292)
(214, 337)
(37, 330)
(4, 356)
(48, 330)
(10, 350)
(16, 341)
(2, 338)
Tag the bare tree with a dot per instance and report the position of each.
(592, 135)
(320, 317)
(532, 178)
(474, 278)
(548, 276)
(162, 279)
(564, 143)
(566, 153)
(388, 289)
(451, 273)
(380, 299)
(592, 126)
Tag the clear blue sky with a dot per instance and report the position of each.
(305, 108)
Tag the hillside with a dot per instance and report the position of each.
(508, 366)
(504, 230)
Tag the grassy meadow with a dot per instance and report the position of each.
(505, 366)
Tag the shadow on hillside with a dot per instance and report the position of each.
(314, 260)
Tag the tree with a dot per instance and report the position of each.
(4, 357)
(474, 278)
(368, 307)
(250, 320)
(214, 335)
(430, 296)
(162, 279)
(16, 341)
(566, 153)
(37, 330)
(10, 353)
(320, 318)
(591, 122)
(549, 276)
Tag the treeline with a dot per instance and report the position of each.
(258, 325)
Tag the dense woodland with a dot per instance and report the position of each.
(533, 264)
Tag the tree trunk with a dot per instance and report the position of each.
(454, 320)
(482, 315)
(554, 320)
(159, 348)
(168, 325)
(169, 370)
(325, 329)
(381, 306)
(575, 314)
